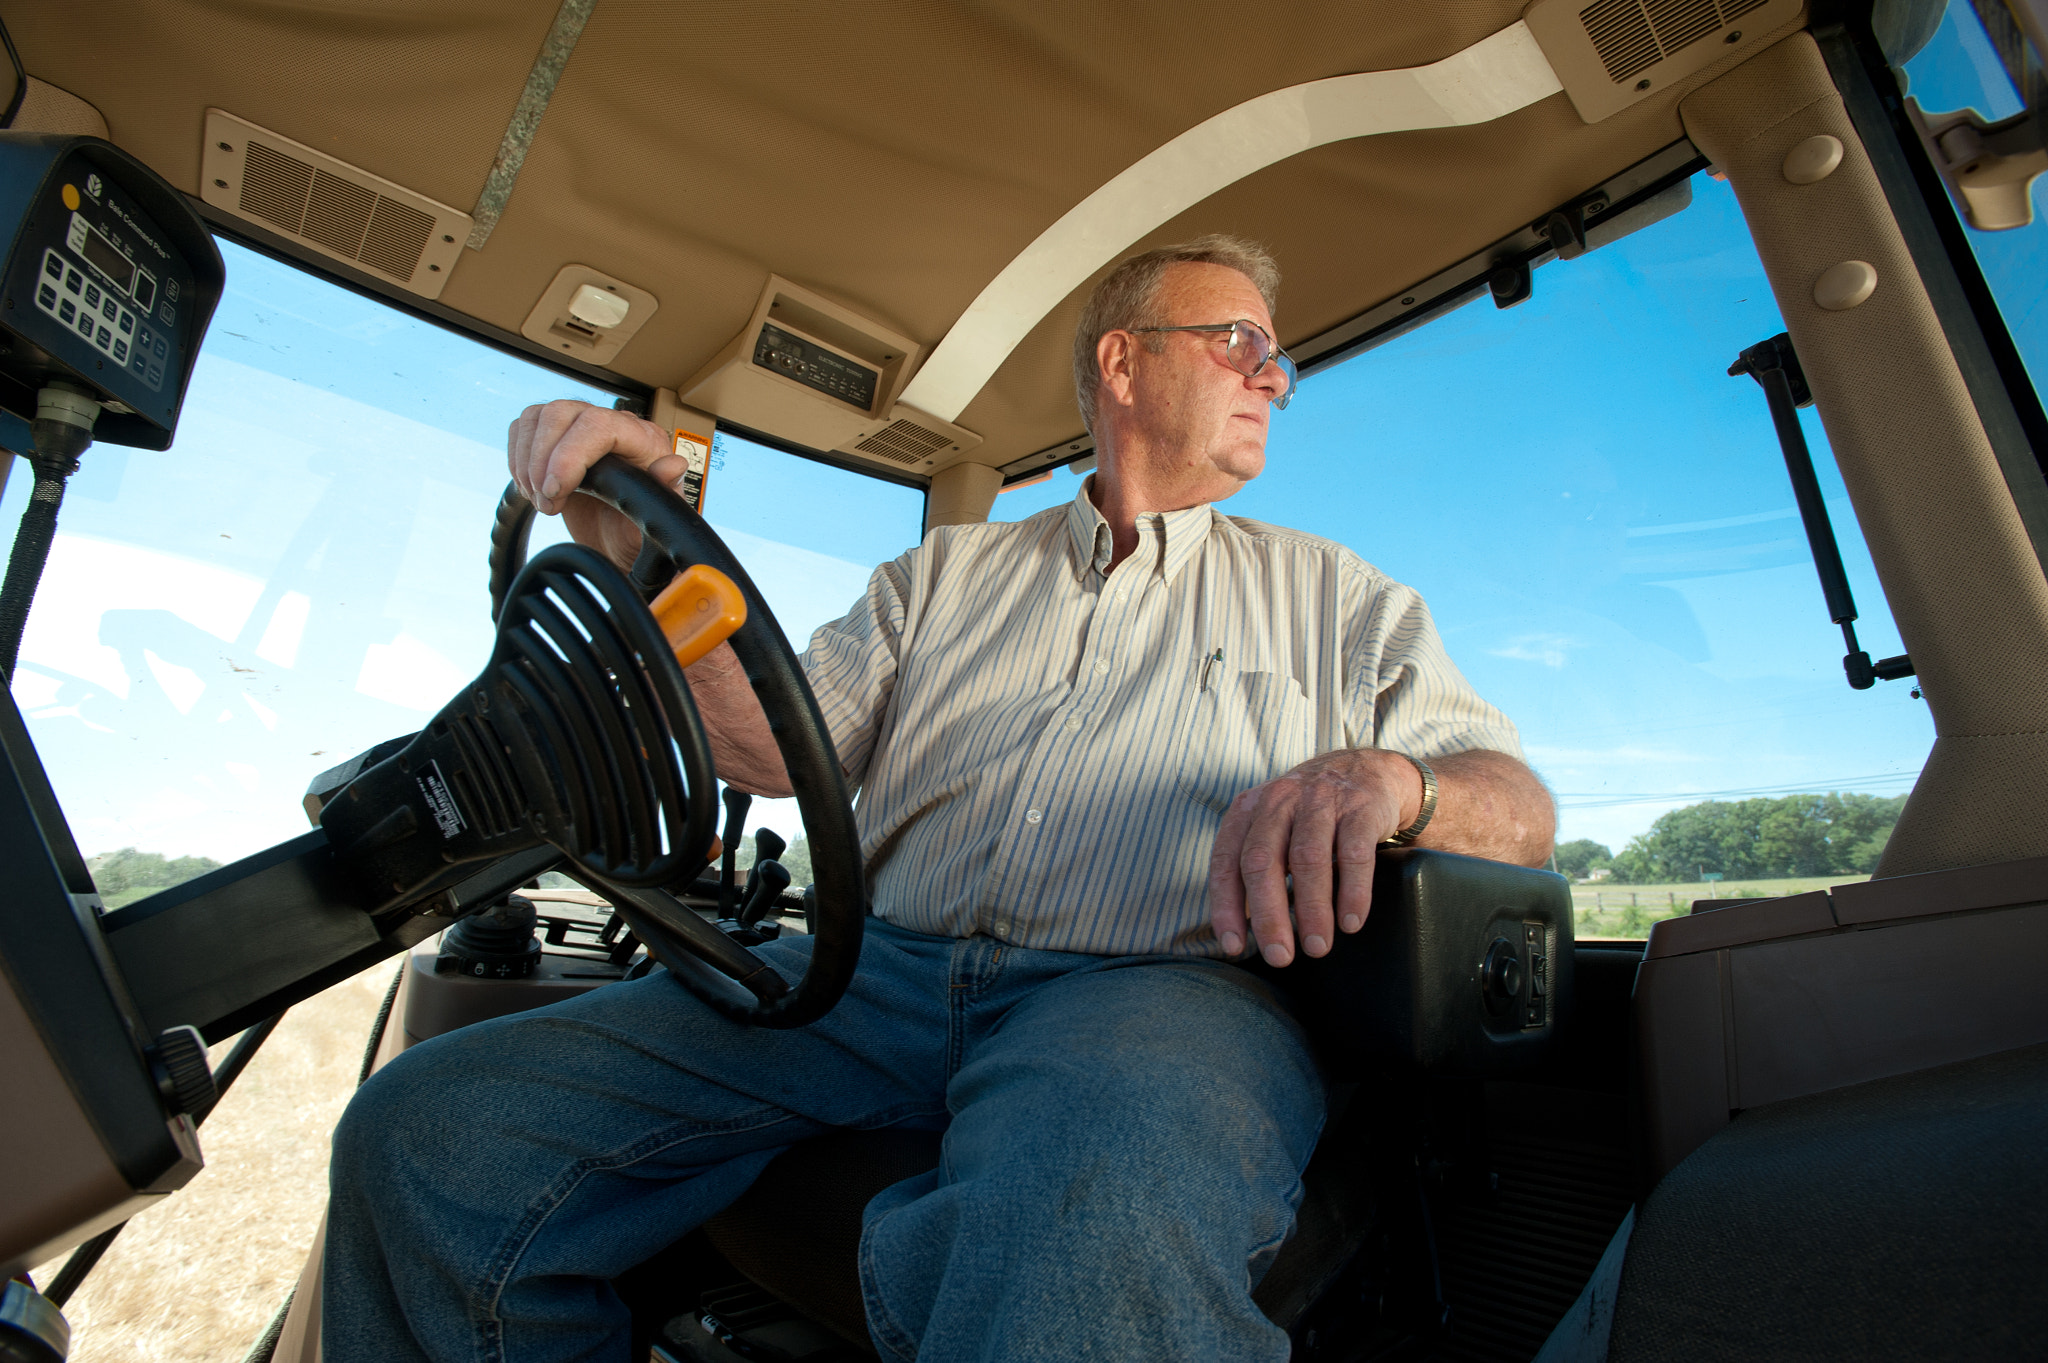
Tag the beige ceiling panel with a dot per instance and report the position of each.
(892, 156)
(418, 93)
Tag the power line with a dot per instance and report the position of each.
(1605, 799)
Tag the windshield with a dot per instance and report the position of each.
(302, 575)
(1601, 521)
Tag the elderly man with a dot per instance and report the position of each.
(1093, 747)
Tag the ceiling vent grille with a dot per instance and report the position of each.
(1611, 53)
(338, 209)
(1631, 36)
(906, 442)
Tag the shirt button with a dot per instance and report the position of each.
(1123, 596)
(1073, 724)
(1101, 666)
(1032, 816)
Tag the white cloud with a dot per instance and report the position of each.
(1549, 649)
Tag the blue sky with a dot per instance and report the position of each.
(1597, 514)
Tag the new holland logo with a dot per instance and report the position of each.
(440, 801)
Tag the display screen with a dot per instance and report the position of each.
(144, 291)
(101, 252)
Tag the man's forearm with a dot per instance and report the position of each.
(1490, 805)
(741, 744)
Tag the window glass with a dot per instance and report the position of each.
(302, 574)
(1960, 69)
(1601, 520)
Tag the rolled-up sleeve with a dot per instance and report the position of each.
(1406, 693)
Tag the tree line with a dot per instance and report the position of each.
(127, 875)
(1760, 839)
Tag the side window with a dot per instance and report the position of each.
(302, 574)
(1602, 523)
(1961, 68)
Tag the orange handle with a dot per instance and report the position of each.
(698, 611)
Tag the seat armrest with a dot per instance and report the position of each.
(1463, 967)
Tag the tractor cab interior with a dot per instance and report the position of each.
(1619, 325)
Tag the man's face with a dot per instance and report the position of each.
(1201, 424)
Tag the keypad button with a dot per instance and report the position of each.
(127, 322)
(92, 295)
(159, 347)
(47, 296)
(106, 338)
(121, 351)
(156, 375)
(53, 266)
(74, 282)
(67, 312)
(142, 338)
(164, 314)
(85, 324)
(109, 310)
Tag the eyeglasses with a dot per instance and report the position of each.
(1252, 348)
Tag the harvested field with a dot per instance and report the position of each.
(196, 1279)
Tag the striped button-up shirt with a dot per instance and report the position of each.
(1044, 748)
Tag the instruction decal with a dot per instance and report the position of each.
(696, 451)
(441, 801)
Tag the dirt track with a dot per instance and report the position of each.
(198, 1277)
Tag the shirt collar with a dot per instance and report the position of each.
(1170, 537)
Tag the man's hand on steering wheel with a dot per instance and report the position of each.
(550, 447)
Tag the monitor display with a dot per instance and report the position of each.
(103, 253)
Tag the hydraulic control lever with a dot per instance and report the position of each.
(1775, 366)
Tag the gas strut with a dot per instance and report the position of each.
(1775, 366)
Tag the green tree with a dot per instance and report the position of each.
(126, 875)
(1577, 857)
(1793, 835)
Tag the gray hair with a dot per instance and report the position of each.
(1127, 299)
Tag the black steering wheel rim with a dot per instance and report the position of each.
(710, 968)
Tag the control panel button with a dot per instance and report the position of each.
(106, 338)
(74, 281)
(92, 295)
(110, 310)
(67, 312)
(121, 351)
(127, 322)
(47, 296)
(158, 349)
(53, 265)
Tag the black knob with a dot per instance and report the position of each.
(1500, 977)
(183, 1076)
(495, 944)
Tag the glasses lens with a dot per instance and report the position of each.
(1250, 348)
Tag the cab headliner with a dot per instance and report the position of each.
(893, 155)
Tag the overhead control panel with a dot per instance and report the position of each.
(109, 282)
(813, 372)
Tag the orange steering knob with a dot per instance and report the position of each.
(699, 611)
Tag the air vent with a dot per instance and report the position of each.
(1612, 53)
(329, 205)
(906, 442)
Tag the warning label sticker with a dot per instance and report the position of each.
(440, 800)
(696, 450)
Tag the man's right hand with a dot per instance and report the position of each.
(552, 445)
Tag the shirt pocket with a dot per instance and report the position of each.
(1244, 728)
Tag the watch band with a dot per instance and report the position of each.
(1423, 815)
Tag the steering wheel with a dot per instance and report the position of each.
(719, 970)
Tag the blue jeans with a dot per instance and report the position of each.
(1122, 1160)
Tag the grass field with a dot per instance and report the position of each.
(196, 1278)
(1607, 910)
